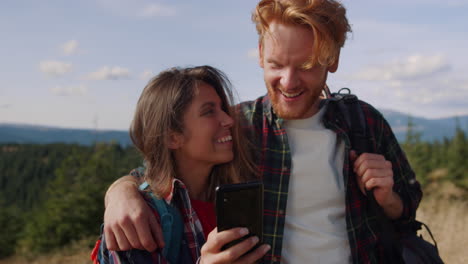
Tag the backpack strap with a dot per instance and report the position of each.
(353, 115)
(171, 225)
(360, 139)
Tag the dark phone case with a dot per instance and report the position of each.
(240, 205)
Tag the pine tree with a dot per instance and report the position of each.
(11, 223)
(457, 155)
(417, 152)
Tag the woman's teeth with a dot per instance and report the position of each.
(224, 139)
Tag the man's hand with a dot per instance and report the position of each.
(211, 250)
(375, 173)
(128, 220)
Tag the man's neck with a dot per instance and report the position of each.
(314, 109)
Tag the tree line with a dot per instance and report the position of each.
(448, 157)
(53, 194)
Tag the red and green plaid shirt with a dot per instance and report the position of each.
(274, 162)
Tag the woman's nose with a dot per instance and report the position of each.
(226, 120)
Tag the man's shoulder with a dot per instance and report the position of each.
(374, 119)
(254, 108)
(251, 104)
(370, 112)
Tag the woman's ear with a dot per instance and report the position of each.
(176, 140)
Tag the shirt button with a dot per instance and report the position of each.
(281, 212)
(275, 259)
(285, 169)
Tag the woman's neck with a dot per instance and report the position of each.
(195, 178)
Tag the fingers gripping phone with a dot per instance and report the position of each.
(240, 205)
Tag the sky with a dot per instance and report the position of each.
(84, 64)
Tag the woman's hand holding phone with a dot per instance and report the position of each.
(211, 251)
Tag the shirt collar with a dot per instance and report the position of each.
(176, 183)
(271, 116)
(270, 112)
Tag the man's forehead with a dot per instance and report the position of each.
(280, 34)
(276, 27)
(289, 44)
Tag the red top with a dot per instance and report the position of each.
(206, 213)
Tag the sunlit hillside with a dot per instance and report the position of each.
(446, 213)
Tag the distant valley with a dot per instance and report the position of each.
(22, 133)
(431, 129)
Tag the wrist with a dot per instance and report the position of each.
(123, 184)
(393, 206)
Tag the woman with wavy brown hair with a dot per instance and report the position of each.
(190, 139)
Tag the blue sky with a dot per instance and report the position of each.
(83, 64)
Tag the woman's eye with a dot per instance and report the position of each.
(208, 112)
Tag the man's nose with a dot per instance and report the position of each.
(289, 79)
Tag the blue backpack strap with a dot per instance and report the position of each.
(171, 225)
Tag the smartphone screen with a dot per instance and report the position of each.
(240, 205)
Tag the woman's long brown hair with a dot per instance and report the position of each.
(160, 110)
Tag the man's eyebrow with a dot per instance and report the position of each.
(273, 61)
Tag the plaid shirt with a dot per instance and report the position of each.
(274, 162)
(192, 241)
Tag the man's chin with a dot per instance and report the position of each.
(289, 114)
(297, 109)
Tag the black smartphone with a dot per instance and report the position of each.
(240, 205)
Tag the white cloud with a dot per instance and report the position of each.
(430, 91)
(138, 8)
(410, 68)
(146, 75)
(156, 10)
(55, 68)
(70, 47)
(109, 73)
(441, 3)
(78, 90)
(5, 106)
(253, 53)
(464, 85)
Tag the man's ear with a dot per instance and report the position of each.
(176, 140)
(260, 55)
(332, 68)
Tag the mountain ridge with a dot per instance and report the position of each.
(430, 129)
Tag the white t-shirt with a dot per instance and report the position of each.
(315, 228)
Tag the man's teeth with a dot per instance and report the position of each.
(290, 95)
(225, 139)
